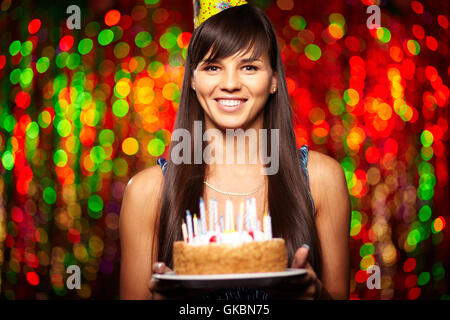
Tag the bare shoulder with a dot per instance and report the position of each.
(143, 193)
(326, 178)
(147, 180)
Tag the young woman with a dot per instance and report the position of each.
(234, 79)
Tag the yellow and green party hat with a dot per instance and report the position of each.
(205, 9)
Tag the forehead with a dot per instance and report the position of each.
(242, 55)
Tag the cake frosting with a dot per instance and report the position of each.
(246, 246)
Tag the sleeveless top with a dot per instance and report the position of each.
(248, 293)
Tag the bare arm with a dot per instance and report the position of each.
(333, 212)
(138, 215)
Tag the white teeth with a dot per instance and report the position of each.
(231, 103)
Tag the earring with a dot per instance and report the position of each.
(274, 90)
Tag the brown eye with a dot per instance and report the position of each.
(251, 68)
(209, 68)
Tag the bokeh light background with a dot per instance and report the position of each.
(83, 110)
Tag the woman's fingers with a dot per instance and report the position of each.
(160, 267)
(300, 257)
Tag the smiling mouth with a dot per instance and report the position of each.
(231, 102)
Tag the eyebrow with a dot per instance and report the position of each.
(247, 60)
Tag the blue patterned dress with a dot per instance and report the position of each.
(248, 293)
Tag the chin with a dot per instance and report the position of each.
(224, 124)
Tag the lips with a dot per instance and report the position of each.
(230, 104)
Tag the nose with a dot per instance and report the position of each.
(230, 80)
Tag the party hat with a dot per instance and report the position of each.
(205, 9)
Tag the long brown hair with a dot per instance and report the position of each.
(235, 30)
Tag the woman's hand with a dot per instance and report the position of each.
(155, 287)
(304, 287)
(169, 290)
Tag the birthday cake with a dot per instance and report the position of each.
(223, 249)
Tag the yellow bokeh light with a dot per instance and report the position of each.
(170, 91)
(392, 72)
(384, 111)
(143, 90)
(367, 261)
(123, 87)
(336, 31)
(88, 163)
(130, 146)
(144, 95)
(353, 96)
(389, 255)
(90, 117)
(355, 138)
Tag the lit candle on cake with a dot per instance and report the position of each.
(265, 227)
(183, 229)
(202, 216)
(189, 226)
(268, 223)
(241, 217)
(222, 227)
(229, 224)
(195, 225)
(211, 215)
(247, 214)
(216, 214)
(254, 224)
(232, 229)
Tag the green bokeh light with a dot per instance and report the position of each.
(8, 160)
(9, 123)
(26, 76)
(49, 195)
(413, 47)
(425, 213)
(14, 76)
(73, 60)
(120, 108)
(105, 37)
(64, 128)
(313, 52)
(60, 158)
(61, 59)
(106, 137)
(337, 18)
(32, 130)
(15, 47)
(95, 203)
(413, 237)
(366, 249)
(143, 39)
(424, 278)
(168, 40)
(383, 34)
(156, 147)
(26, 49)
(85, 46)
(297, 23)
(97, 154)
(42, 64)
(426, 138)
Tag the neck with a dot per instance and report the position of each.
(237, 155)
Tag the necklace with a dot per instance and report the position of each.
(235, 193)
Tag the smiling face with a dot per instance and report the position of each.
(233, 91)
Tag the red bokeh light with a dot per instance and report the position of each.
(34, 26)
